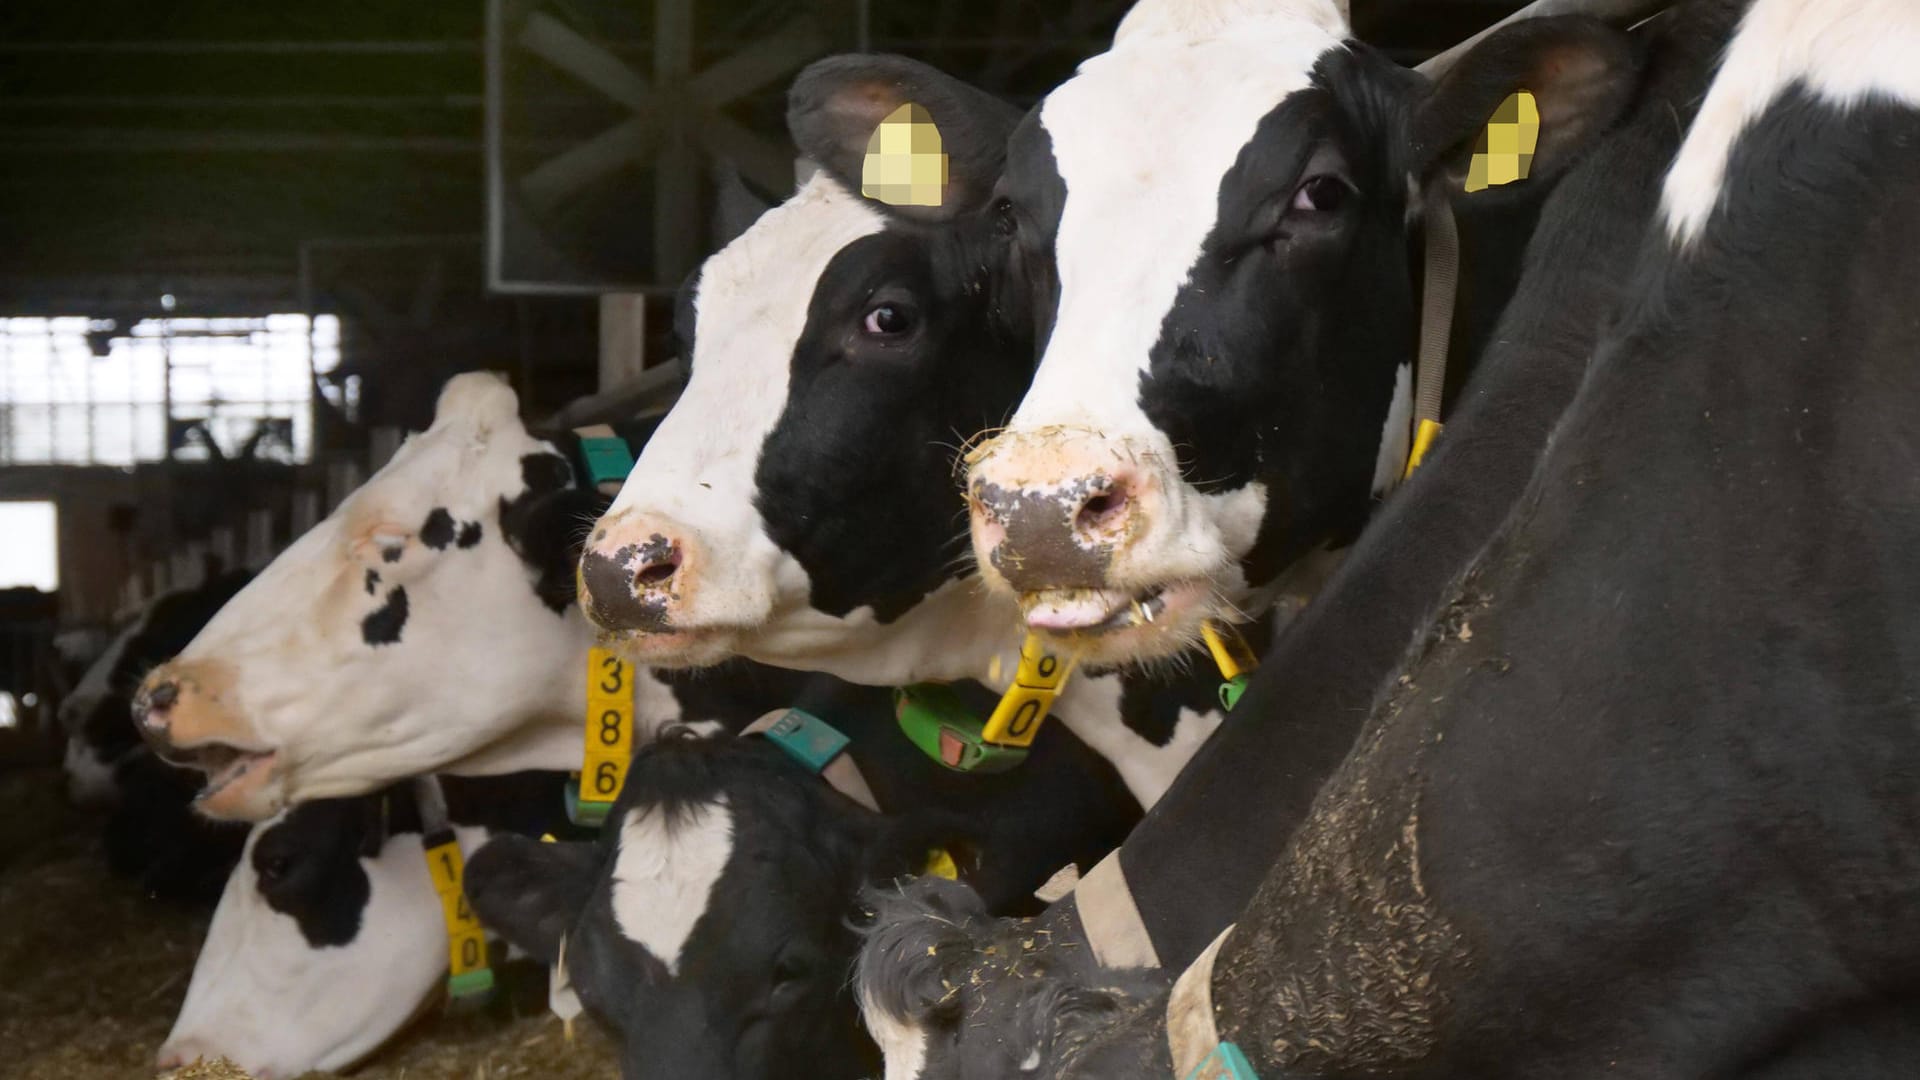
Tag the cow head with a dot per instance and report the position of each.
(328, 939)
(425, 620)
(1228, 198)
(951, 992)
(710, 927)
(94, 716)
(799, 505)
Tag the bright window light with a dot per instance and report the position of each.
(95, 392)
(29, 545)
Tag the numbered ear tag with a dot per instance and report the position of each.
(468, 973)
(905, 165)
(1042, 675)
(609, 739)
(1504, 153)
(1225, 1062)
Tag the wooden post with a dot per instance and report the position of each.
(623, 338)
(259, 539)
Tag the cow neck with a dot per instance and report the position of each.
(822, 749)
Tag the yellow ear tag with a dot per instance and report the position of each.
(1504, 153)
(1041, 677)
(609, 735)
(466, 942)
(940, 864)
(904, 164)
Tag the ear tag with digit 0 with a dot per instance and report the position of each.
(1504, 152)
(609, 739)
(468, 973)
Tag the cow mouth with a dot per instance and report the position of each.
(697, 646)
(1097, 612)
(226, 766)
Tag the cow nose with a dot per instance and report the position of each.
(1054, 528)
(635, 570)
(162, 697)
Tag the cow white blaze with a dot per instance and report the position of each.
(670, 859)
(1137, 553)
(402, 635)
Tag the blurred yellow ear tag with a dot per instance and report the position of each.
(468, 973)
(905, 165)
(940, 864)
(1040, 678)
(1504, 153)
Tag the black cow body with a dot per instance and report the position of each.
(1640, 801)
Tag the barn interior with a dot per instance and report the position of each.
(242, 246)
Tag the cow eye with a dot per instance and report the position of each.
(888, 320)
(271, 868)
(1005, 221)
(1320, 194)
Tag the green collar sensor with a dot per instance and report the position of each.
(1226, 1062)
(606, 456)
(944, 729)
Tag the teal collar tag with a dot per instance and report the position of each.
(807, 739)
(944, 729)
(1225, 1062)
(607, 459)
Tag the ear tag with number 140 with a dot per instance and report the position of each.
(468, 973)
(609, 739)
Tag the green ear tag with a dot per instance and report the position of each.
(1225, 1062)
(939, 723)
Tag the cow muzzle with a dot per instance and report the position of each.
(640, 574)
(183, 710)
(1066, 518)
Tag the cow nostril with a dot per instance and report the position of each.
(658, 572)
(1100, 512)
(163, 696)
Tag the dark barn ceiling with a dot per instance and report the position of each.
(209, 150)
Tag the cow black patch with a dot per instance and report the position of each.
(437, 531)
(469, 534)
(384, 625)
(307, 867)
(372, 581)
(547, 523)
(856, 479)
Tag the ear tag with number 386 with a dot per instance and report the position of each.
(609, 739)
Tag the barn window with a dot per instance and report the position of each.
(30, 557)
(76, 391)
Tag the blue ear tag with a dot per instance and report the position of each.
(1225, 1062)
(607, 458)
(807, 739)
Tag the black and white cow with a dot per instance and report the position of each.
(427, 625)
(1230, 201)
(151, 834)
(94, 716)
(1639, 800)
(711, 925)
(798, 506)
(330, 937)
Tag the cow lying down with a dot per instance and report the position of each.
(1639, 801)
(330, 937)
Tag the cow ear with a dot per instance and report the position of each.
(532, 892)
(1523, 104)
(909, 137)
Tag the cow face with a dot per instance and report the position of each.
(426, 619)
(1228, 197)
(710, 927)
(800, 504)
(328, 939)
